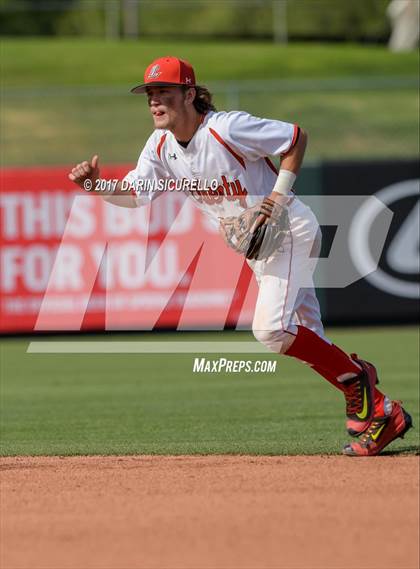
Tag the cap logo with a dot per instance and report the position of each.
(154, 72)
(188, 80)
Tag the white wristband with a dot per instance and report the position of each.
(284, 182)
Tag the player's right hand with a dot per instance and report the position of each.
(85, 171)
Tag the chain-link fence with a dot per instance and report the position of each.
(346, 118)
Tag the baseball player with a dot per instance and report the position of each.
(260, 217)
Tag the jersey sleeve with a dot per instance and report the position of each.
(146, 180)
(256, 137)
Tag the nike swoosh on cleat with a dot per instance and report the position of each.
(363, 414)
(378, 432)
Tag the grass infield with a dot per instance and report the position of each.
(71, 404)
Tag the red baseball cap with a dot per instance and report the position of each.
(167, 71)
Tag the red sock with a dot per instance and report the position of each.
(311, 348)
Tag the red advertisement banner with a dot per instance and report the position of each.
(71, 261)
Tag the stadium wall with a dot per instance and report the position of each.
(69, 261)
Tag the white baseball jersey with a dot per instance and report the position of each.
(227, 158)
(233, 148)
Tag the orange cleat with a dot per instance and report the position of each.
(381, 432)
(382, 407)
(362, 399)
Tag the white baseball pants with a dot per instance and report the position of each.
(286, 294)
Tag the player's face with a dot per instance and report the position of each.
(167, 105)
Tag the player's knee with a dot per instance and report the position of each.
(278, 341)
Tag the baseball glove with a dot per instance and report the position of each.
(258, 242)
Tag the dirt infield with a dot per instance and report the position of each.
(209, 512)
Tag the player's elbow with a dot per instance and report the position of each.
(301, 142)
(303, 137)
